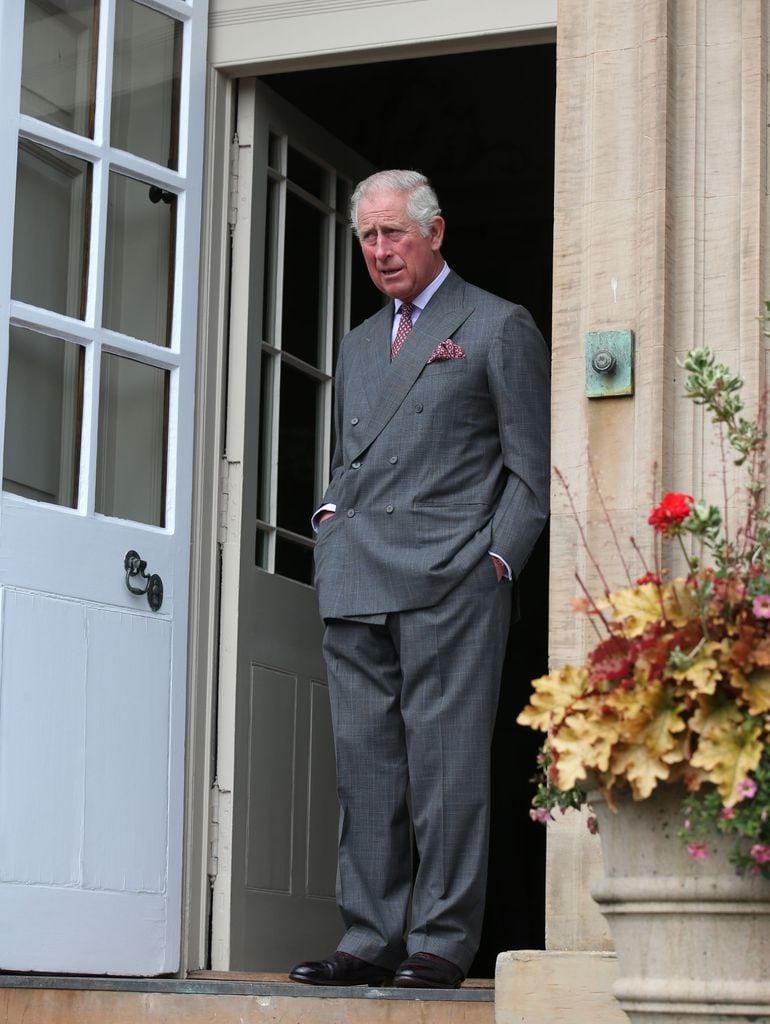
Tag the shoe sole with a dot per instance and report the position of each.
(381, 983)
(417, 983)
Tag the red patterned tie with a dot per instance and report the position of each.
(404, 327)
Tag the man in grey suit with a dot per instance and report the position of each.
(438, 492)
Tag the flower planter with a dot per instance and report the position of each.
(692, 938)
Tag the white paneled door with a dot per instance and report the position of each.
(100, 176)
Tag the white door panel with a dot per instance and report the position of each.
(92, 817)
(97, 339)
(82, 557)
(60, 925)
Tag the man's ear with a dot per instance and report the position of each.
(436, 233)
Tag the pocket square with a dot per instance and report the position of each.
(446, 350)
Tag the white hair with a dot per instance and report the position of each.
(421, 204)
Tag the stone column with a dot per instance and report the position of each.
(660, 212)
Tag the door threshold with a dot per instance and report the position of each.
(232, 983)
(476, 989)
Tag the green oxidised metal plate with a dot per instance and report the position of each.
(609, 364)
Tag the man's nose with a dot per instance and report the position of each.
(382, 247)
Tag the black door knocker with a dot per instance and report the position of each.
(135, 566)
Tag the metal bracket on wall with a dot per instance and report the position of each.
(609, 363)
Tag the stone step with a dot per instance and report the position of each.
(212, 998)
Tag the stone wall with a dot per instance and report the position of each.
(660, 212)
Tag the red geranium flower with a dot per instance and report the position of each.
(672, 512)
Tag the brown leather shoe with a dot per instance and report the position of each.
(341, 969)
(426, 970)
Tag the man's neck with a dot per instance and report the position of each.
(422, 299)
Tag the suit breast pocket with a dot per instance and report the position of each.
(444, 368)
(443, 379)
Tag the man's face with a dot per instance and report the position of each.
(400, 261)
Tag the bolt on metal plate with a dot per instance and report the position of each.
(609, 363)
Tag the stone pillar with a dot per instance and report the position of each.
(660, 213)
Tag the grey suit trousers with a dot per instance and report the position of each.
(413, 706)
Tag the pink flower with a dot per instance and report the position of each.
(541, 814)
(592, 824)
(761, 853)
(761, 606)
(727, 812)
(746, 788)
(698, 851)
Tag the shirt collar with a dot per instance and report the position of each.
(422, 300)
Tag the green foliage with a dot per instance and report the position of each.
(747, 821)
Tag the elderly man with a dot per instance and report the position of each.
(438, 492)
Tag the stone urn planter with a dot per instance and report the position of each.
(692, 938)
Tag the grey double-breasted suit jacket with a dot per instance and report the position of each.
(435, 463)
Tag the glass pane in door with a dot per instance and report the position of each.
(51, 225)
(43, 418)
(306, 173)
(304, 264)
(342, 198)
(270, 274)
(59, 63)
(293, 560)
(132, 451)
(264, 469)
(145, 83)
(297, 444)
(139, 260)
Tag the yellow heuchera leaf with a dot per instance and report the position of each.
(704, 672)
(553, 694)
(678, 603)
(636, 607)
(658, 736)
(712, 716)
(641, 767)
(755, 689)
(631, 708)
(581, 746)
(728, 755)
(649, 714)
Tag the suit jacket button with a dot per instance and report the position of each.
(393, 460)
(351, 513)
(356, 465)
(418, 406)
(388, 509)
(354, 421)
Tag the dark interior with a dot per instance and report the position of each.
(481, 126)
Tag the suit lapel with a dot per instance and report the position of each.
(374, 355)
(387, 384)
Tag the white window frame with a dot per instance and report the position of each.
(185, 183)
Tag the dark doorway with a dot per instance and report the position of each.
(481, 126)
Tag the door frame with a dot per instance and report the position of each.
(211, 691)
